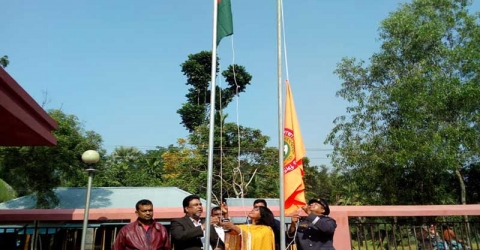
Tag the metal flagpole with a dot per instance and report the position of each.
(280, 124)
(212, 124)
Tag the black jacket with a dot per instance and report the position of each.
(318, 236)
(186, 236)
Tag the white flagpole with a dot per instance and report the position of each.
(212, 125)
(280, 124)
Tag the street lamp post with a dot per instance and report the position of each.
(89, 157)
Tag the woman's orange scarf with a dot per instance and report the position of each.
(253, 237)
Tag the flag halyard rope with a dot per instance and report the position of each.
(237, 169)
(284, 42)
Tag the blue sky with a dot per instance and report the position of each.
(116, 63)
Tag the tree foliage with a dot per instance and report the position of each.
(197, 69)
(318, 181)
(130, 167)
(41, 169)
(121, 168)
(243, 165)
(4, 61)
(472, 183)
(250, 172)
(6, 191)
(184, 167)
(414, 120)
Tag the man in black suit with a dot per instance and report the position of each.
(188, 232)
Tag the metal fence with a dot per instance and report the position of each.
(408, 234)
(57, 237)
(385, 233)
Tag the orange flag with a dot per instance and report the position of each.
(294, 151)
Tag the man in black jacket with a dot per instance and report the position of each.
(316, 230)
(188, 232)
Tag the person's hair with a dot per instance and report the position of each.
(215, 209)
(260, 201)
(186, 200)
(266, 218)
(142, 202)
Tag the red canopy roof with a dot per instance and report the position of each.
(22, 121)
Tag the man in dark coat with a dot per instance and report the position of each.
(188, 232)
(316, 230)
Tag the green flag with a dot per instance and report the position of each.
(224, 21)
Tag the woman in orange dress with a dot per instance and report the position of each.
(255, 236)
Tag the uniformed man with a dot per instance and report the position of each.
(316, 230)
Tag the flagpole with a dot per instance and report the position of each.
(212, 125)
(280, 124)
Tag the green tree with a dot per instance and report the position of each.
(265, 182)
(184, 167)
(153, 166)
(41, 169)
(243, 165)
(197, 69)
(76, 176)
(123, 167)
(4, 61)
(414, 119)
(6, 191)
(128, 166)
(243, 154)
(472, 183)
(318, 181)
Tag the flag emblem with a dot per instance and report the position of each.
(289, 151)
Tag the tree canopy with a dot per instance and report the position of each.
(4, 61)
(197, 68)
(41, 169)
(414, 116)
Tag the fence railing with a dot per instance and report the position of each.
(407, 235)
(358, 227)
